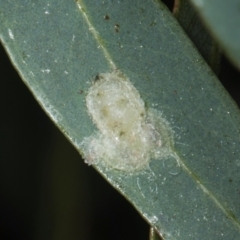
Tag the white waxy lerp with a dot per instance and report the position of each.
(129, 135)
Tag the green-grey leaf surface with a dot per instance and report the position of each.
(59, 47)
(223, 19)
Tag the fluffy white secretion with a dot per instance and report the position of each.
(129, 135)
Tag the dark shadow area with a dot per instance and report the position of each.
(169, 4)
(230, 79)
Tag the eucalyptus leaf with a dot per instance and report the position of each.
(60, 47)
(223, 19)
(191, 22)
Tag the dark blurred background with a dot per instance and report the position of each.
(46, 190)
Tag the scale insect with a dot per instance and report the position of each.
(129, 135)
